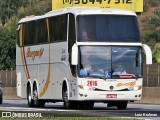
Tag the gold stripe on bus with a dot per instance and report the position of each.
(23, 61)
(21, 35)
(22, 51)
(48, 30)
(48, 76)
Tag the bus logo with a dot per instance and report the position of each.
(34, 54)
(126, 84)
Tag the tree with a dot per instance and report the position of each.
(8, 45)
(9, 8)
(10, 12)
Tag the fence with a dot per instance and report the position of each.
(151, 75)
(8, 78)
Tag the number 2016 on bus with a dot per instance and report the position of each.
(92, 83)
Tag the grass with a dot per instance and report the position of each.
(57, 116)
(76, 118)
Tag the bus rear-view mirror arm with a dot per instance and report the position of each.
(74, 55)
(148, 53)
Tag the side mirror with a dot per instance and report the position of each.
(148, 53)
(74, 59)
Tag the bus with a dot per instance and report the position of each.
(53, 49)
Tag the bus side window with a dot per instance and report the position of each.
(58, 28)
(41, 32)
(71, 41)
(29, 33)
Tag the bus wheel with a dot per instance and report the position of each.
(41, 103)
(1, 100)
(29, 97)
(86, 104)
(35, 96)
(66, 103)
(73, 104)
(89, 104)
(122, 105)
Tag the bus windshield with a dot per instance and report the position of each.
(107, 28)
(110, 62)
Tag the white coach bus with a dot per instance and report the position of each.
(54, 49)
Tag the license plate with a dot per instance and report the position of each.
(111, 95)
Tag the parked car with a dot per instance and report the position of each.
(1, 93)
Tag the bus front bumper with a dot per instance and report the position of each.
(109, 95)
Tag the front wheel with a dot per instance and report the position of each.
(66, 103)
(1, 99)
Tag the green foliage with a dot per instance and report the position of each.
(38, 9)
(8, 8)
(7, 52)
(152, 34)
(7, 45)
(156, 54)
(10, 12)
(153, 2)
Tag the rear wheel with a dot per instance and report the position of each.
(86, 104)
(36, 101)
(89, 104)
(29, 97)
(122, 105)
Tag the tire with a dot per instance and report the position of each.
(1, 100)
(41, 103)
(29, 97)
(86, 105)
(37, 103)
(122, 105)
(66, 102)
(73, 104)
(89, 105)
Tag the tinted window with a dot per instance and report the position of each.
(35, 32)
(58, 28)
(41, 32)
(71, 41)
(123, 62)
(71, 35)
(107, 28)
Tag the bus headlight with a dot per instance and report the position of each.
(135, 88)
(86, 87)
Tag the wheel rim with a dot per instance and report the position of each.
(29, 96)
(35, 97)
(65, 98)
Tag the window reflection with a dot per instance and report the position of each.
(103, 28)
(110, 62)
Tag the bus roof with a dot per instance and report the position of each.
(80, 11)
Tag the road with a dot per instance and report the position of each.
(144, 111)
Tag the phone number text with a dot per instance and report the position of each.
(97, 1)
